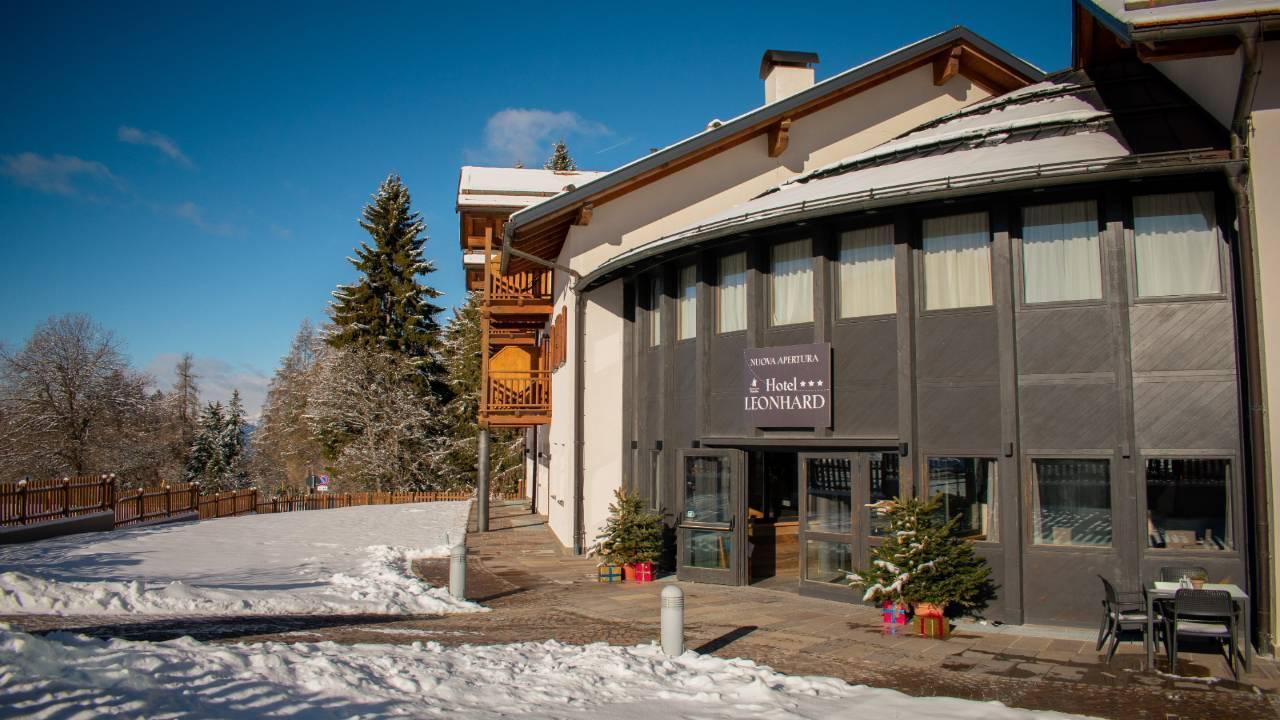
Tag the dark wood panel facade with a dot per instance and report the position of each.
(1120, 379)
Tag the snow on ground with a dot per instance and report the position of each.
(67, 675)
(348, 560)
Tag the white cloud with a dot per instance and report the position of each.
(56, 175)
(163, 143)
(216, 379)
(527, 134)
(194, 214)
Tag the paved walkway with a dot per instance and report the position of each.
(537, 592)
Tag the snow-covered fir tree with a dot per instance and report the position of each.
(560, 159)
(216, 452)
(389, 309)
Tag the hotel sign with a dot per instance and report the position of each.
(788, 386)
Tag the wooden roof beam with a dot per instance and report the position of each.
(779, 137)
(947, 65)
(584, 214)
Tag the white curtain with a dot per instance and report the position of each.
(732, 293)
(791, 283)
(1176, 245)
(867, 284)
(957, 262)
(687, 309)
(655, 311)
(1061, 258)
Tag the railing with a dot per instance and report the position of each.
(328, 501)
(143, 505)
(35, 501)
(519, 392)
(518, 288)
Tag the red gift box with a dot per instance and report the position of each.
(644, 572)
(893, 614)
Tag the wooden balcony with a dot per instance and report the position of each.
(527, 292)
(517, 398)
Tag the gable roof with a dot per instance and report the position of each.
(511, 188)
(1128, 18)
(1120, 121)
(541, 229)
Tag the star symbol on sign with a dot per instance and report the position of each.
(819, 383)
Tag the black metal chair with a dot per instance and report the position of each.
(1121, 611)
(1204, 614)
(1177, 572)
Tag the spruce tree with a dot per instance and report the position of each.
(560, 159)
(632, 534)
(922, 559)
(207, 462)
(388, 309)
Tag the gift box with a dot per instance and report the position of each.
(893, 614)
(933, 626)
(644, 572)
(609, 573)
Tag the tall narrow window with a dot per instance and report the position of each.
(687, 308)
(731, 296)
(867, 284)
(1071, 501)
(1189, 503)
(1061, 258)
(967, 486)
(791, 283)
(655, 311)
(957, 262)
(1176, 245)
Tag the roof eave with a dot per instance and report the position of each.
(1024, 178)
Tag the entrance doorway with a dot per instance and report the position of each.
(773, 512)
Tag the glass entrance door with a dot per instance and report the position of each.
(711, 536)
(829, 536)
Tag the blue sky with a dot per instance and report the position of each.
(190, 174)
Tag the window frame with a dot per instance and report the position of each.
(1235, 492)
(916, 242)
(1029, 490)
(655, 287)
(813, 241)
(1191, 185)
(691, 266)
(1017, 228)
(993, 495)
(746, 290)
(837, 232)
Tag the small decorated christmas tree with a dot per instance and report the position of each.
(633, 533)
(922, 560)
(560, 159)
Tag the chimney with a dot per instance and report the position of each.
(786, 72)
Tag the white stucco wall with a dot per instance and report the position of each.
(659, 208)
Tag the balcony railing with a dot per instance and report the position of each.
(514, 393)
(519, 288)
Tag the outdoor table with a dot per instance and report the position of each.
(1167, 590)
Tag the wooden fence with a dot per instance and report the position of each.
(37, 501)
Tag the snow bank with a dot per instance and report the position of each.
(67, 675)
(349, 560)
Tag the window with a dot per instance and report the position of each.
(791, 283)
(957, 262)
(687, 306)
(732, 293)
(1176, 245)
(1071, 502)
(1189, 503)
(967, 486)
(884, 486)
(828, 561)
(867, 283)
(655, 311)
(1061, 258)
(829, 495)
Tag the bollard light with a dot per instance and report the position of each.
(672, 620)
(458, 571)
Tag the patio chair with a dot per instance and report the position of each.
(1121, 611)
(1175, 573)
(1201, 613)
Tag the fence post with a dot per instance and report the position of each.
(22, 502)
(168, 501)
(142, 508)
(254, 504)
(66, 497)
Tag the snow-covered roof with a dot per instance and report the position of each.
(1052, 129)
(503, 187)
(1137, 15)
